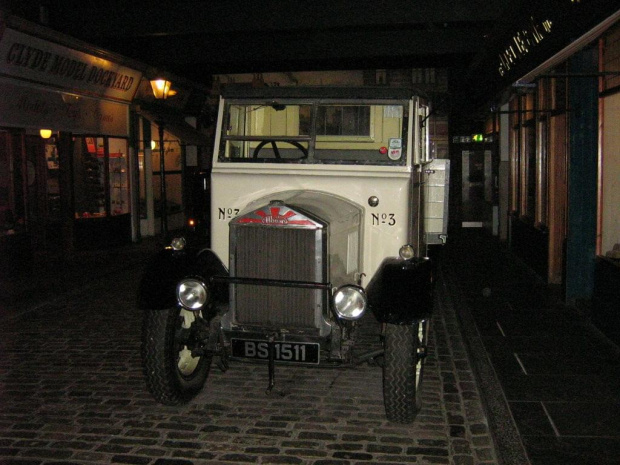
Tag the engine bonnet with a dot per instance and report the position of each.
(309, 209)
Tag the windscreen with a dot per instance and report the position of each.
(313, 132)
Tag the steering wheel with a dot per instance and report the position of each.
(276, 151)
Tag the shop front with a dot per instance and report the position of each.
(171, 156)
(562, 131)
(65, 146)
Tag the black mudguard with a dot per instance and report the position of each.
(401, 292)
(158, 286)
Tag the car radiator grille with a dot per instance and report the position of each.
(292, 254)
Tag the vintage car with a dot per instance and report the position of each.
(318, 217)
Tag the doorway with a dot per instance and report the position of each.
(477, 188)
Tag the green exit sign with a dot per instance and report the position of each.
(477, 138)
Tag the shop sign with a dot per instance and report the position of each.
(522, 42)
(38, 61)
(27, 107)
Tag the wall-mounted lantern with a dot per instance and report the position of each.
(161, 88)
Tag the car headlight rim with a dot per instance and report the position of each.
(192, 294)
(406, 252)
(349, 302)
(178, 243)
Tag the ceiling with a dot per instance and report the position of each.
(195, 39)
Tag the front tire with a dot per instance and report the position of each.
(173, 376)
(405, 351)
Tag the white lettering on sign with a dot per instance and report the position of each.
(521, 44)
(37, 60)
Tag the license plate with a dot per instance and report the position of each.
(295, 352)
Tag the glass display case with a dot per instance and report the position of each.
(101, 192)
(119, 187)
(89, 177)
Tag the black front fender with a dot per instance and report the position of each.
(157, 289)
(401, 291)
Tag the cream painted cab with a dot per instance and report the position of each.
(377, 162)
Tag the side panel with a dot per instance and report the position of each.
(401, 291)
(436, 201)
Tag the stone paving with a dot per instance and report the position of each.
(72, 392)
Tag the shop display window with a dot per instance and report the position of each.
(52, 180)
(142, 180)
(119, 188)
(101, 185)
(10, 199)
(173, 174)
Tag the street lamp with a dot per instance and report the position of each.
(161, 90)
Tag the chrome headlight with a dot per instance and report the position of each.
(178, 243)
(406, 252)
(192, 293)
(349, 302)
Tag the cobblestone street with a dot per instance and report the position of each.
(72, 392)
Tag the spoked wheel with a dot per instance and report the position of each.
(403, 369)
(173, 375)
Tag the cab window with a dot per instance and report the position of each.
(285, 132)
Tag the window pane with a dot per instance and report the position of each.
(268, 120)
(356, 133)
(119, 177)
(541, 167)
(514, 170)
(174, 194)
(343, 120)
(172, 167)
(142, 173)
(172, 152)
(371, 134)
(89, 177)
(53, 185)
(8, 214)
(611, 58)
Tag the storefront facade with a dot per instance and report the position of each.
(80, 183)
(561, 133)
(70, 186)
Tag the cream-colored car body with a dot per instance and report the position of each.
(393, 222)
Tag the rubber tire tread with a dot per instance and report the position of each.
(401, 400)
(159, 359)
